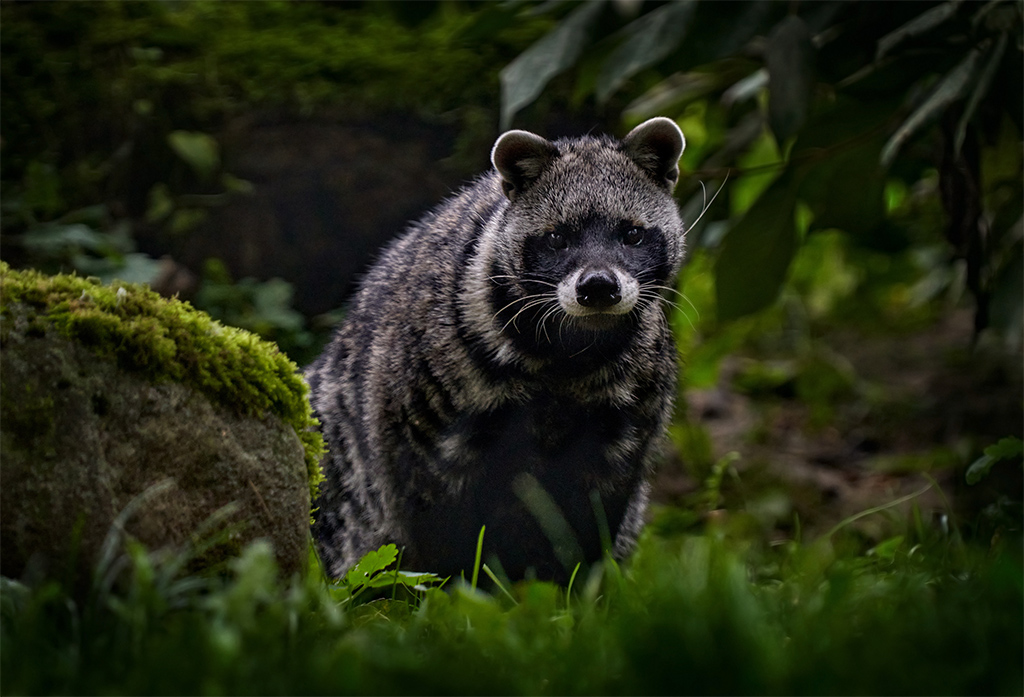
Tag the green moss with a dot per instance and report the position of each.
(167, 339)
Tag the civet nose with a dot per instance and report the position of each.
(598, 288)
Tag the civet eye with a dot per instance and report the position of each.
(556, 240)
(633, 236)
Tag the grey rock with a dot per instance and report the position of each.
(81, 438)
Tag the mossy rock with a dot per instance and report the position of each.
(114, 395)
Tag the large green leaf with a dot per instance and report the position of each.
(789, 58)
(650, 39)
(371, 564)
(756, 254)
(523, 79)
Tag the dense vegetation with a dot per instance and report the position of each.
(689, 615)
(841, 510)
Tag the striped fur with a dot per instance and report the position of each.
(509, 352)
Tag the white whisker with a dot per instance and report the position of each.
(534, 301)
(707, 204)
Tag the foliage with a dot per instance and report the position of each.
(1009, 448)
(263, 308)
(85, 240)
(820, 114)
(372, 573)
(832, 283)
(690, 614)
(172, 72)
(167, 339)
(116, 114)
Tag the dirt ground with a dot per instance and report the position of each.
(925, 406)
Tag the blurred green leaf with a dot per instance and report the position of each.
(264, 308)
(923, 23)
(756, 254)
(761, 164)
(1007, 305)
(272, 301)
(135, 268)
(676, 92)
(952, 87)
(199, 150)
(234, 185)
(523, 79)
(789, 59)
(160, 205)
(826, 189)
(837, 146)
(845, 122)
(649, 39)
(1006, 448)
(747, 88)
(186, 219)
(1009, 448)
(55, 240)
(42, 189)
(995, 55)
(887, 549)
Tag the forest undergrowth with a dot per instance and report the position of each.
(712, 610)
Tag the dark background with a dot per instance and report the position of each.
(851, 326)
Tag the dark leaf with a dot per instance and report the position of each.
(489, 21)
(733, 28)
(649, 39)
(1006, 449)
(949, 89)
(756, 254)
(846, 192)
(670, 95)
(790, 62)
(1007, 305)
(921, 24)
(836, 148)
(523, 79)
(898, 76)
(747, 88)
(199, 150)
(995, 55)
(846, 123)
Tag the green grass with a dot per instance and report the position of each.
(708, 611)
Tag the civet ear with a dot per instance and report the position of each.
(656, 146)
(520, 158)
